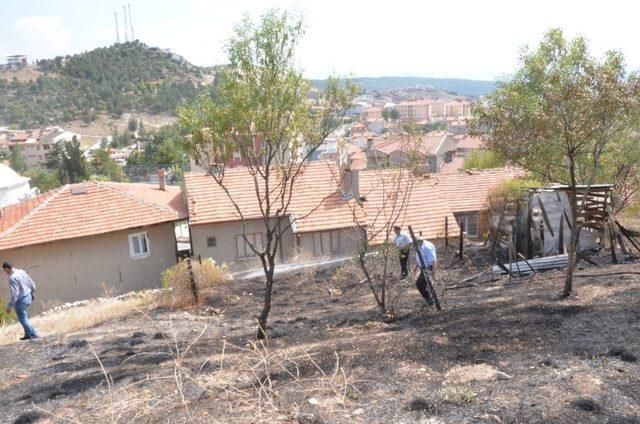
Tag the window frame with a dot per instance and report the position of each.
(212, 242)
(138, 236)
(334, 243)
(248, 251)
(465, 220)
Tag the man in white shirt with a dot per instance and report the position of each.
(23, 291)
(403, 242)
(428, 252)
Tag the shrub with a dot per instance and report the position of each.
(207, 274)
(6, 318)
(458, 395)
(483, 159)
(508, 192)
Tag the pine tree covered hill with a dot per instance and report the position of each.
(125, 77)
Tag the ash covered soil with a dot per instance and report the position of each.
(497, 353)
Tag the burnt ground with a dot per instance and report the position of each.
(498, 352)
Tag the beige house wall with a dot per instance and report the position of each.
(348, 242)
(225, 250)
(77, 269)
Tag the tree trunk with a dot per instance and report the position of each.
(572, 194)
(266, 308)
(571, 259)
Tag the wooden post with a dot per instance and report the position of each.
(192, 278)
(496, 236)
(423, 269)
(446, 234)
(612, 239)
(561, 236)
(527, 231)
(461, 243)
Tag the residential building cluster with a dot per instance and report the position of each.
(34, 145)
(80, 238)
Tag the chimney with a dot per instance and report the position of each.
(369, 143)
(350, 184)
(162, 180)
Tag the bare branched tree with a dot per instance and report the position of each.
(388, 192)
(259, 113)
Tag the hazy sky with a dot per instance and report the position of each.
(477, 39)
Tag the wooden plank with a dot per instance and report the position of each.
(545, 217)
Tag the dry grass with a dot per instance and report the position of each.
(206, 275)
(81, 317)
(458, 395)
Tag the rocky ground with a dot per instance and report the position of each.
(500, 351)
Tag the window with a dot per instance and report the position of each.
(326, 243)
(244, 248)
(138, 245)
(211, 242)
(470, 223)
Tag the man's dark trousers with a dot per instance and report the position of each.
(421, 284)
(404, 262)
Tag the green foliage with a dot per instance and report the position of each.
(43, 179)
(390, 114)
(557, 113)
(260, 109)
(123, 77)
(483, 159)
(105, 168)
(132, 125)
(6, 318)
(68, 162)
(509, 192)
(16, 162)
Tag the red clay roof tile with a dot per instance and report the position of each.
(97, 208)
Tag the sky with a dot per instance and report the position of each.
(473, 39)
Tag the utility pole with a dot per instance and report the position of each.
(115, 15)
(126, 33)
(133, 37)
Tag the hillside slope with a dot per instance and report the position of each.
(121, 78)
(499, 352)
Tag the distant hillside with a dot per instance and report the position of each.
(459, 86)
(125, 77)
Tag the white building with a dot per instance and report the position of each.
(13, 187)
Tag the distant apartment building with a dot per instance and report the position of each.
(415, 110)
(427, 109)
(16, 61)
(371, 113)
(457, 109)
(35, 145)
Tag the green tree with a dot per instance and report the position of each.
(260, 110)
(104, 166)
(483, 159)
(16, 161)
(557, 115)
(390, 114)
(68, 162)
(43, 179)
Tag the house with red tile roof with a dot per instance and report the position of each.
(467, 144)
(79, 238)
(319, 220)
(467, 192)
(435, 148)
(395, 196)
